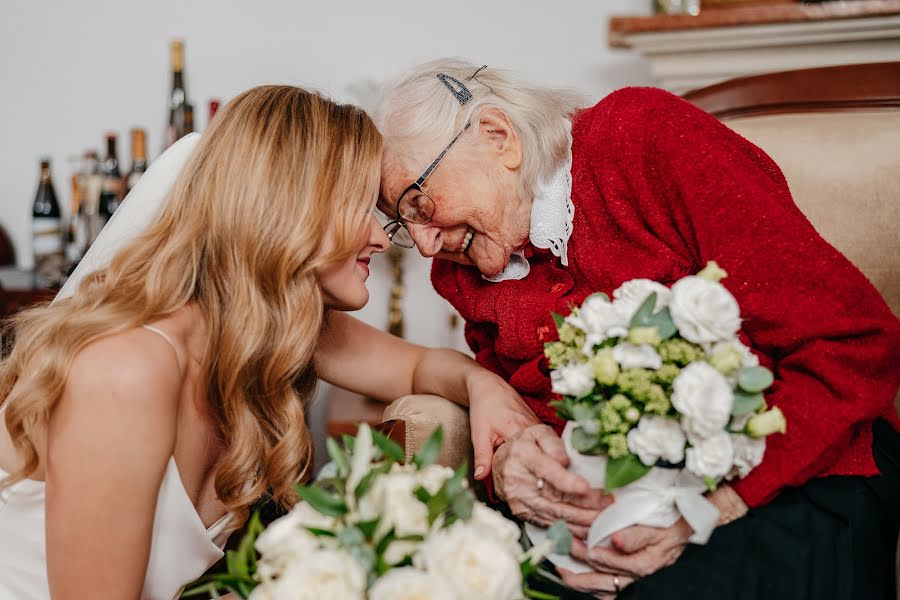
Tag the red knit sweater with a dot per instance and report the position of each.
(660, 188)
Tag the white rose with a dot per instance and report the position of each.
(392, 499)
(629, 297)
(631, 356)
(283, 541)
(600, 320)
(409, 583)
(711, 457)
(264, 591)
(574, 379)
(657, 437)
(322, 575)
(748, 454)
(471, 564)
(492, 522)
(433, 477)
(704, 311)
(703, 396)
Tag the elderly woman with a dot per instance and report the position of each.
(529, 204)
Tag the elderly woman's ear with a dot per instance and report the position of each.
(497, 130)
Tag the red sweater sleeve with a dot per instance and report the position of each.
(807, 311)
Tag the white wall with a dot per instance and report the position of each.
(71, 70)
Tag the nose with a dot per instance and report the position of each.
(378, 239)
(427, 238)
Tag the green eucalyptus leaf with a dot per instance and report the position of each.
(322, 501)
(623, 470)
(755, 379)
(642, 316)
(428, 453)
(746, 403)
(351, 536)
(388, 447)
(338, 456)
(559, 534)
(584, 442)
(663, 323)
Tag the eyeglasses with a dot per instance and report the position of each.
(415, 205)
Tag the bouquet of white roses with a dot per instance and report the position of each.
(662, 399)
(373, 528)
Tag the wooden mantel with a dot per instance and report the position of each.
(687, 52)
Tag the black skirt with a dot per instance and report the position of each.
(833, 538)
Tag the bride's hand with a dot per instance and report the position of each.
(496, 413)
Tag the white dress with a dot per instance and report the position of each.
(182, 548)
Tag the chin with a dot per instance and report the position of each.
(348, 302)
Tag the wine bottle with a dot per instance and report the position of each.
(111, 190)
(180, 111)
(75, 241)
(90, 199)
(138, 158)
(46, 230)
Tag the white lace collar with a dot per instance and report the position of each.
(551, 220)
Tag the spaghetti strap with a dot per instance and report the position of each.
(164, 335)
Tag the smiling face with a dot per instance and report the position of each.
(479, 218)
(343, 282)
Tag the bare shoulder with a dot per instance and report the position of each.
(132, 371)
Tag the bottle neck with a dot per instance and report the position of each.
(179, 95)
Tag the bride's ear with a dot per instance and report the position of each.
(495, 127)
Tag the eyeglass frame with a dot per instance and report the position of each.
(417, 185)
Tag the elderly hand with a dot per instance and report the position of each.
(530, 475)
(639, 551)
(496, 414)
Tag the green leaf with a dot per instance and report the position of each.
(711, 484)
(755, 379)
(746, 403)
(368, 528)
(561, 537)
(322, 501)
(558, 319)
(388, 447)
(642, 315)
(385, 541)
(364, 484)
(623, 470)
(338, 456)
(320, 532)
(462, 506)
(246, 547)
(236, 563)
(349, 441)
(428, 453)
(422, 494)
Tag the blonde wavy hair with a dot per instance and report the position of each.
(238, 236)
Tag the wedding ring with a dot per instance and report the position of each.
(616, 583)
(540, 484)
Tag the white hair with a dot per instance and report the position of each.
(420, 107)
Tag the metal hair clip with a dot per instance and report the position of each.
(475, 77)
(456, 87)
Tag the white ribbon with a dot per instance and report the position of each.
(657, 499)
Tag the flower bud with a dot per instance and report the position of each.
(767, 423)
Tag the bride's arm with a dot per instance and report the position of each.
(109, 440)
(360, 358)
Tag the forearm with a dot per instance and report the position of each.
(447, 373)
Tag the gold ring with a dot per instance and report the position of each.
(616, 583)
